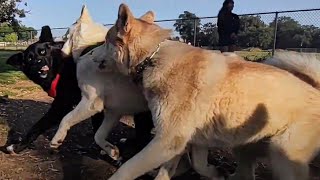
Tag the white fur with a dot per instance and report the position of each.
(97, 87)
(108, 88)
(305, 63)
(82, 34)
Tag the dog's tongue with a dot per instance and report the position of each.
(45, 68)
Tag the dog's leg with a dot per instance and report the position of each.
(110, 119)
(84, 110)
(59, 108)
(143, 125)
(200, 162)
(285, 169)
(96, 121)
(179, 165)
(168, 169)
(162, 148)
(246, 156)
(292, 151)
(246, 165)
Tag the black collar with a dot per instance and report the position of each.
(137, 72)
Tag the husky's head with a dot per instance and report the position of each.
(83, 33)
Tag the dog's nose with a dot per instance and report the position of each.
(102, 65)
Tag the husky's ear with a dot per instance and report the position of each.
(148, 17)
(125, 18)
(16, 60)
(85, 16)
(46, 35)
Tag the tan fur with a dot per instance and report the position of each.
(212, 100)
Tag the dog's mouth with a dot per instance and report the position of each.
(44, 71)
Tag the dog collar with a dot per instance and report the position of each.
(52, 92)
(137, 72)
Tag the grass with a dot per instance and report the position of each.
(8, 74)
(254, 55)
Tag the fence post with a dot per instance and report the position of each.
(275, 33)
(195, 32)
(30, 37)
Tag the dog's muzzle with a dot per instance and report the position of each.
(44, 71)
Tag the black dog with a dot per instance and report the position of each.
(42, 62)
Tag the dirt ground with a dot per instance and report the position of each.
(79, 157)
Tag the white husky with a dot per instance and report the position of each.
(97, 87)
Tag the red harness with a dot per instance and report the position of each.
(52, 92)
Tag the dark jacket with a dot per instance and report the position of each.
(228, 23)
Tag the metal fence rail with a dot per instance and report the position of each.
(297, 30)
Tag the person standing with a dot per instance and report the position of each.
(228, 27)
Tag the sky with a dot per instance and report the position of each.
(62, 13)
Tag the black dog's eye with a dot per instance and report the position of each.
(43, 52)
(30, 58)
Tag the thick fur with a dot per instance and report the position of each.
(68, 95)
(205, 99)
(305, 66)
(99, 93)
(84, 25)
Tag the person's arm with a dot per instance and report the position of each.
(236, 24)
(220, 24)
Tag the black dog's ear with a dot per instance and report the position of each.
(46, 35)
(16, 60)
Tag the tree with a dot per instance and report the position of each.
(316, 39)
(12, 37)
(254, 33)
(9, 11)
(290, 33)
(251, 21)
(185, 26)
(208, 35)
(24, 33)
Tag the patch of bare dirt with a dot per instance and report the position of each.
(78, 157)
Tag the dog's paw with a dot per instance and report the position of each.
(58, 139)
(10, 150)
(153, 173)
(115, 153)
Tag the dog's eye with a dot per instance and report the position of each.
(42, 52)
(29, 58)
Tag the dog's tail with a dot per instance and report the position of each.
(305, 66)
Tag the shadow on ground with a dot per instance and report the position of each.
(78, 157)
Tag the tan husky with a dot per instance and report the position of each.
(206, 99)
(212, 100)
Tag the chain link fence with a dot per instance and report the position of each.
(260, 33)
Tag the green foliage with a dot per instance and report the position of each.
(12, 37)
(291, 34)
(23, 33)
(254, 32)
(9, 11)
(208, 35)
(186, 27)
(8, 74)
